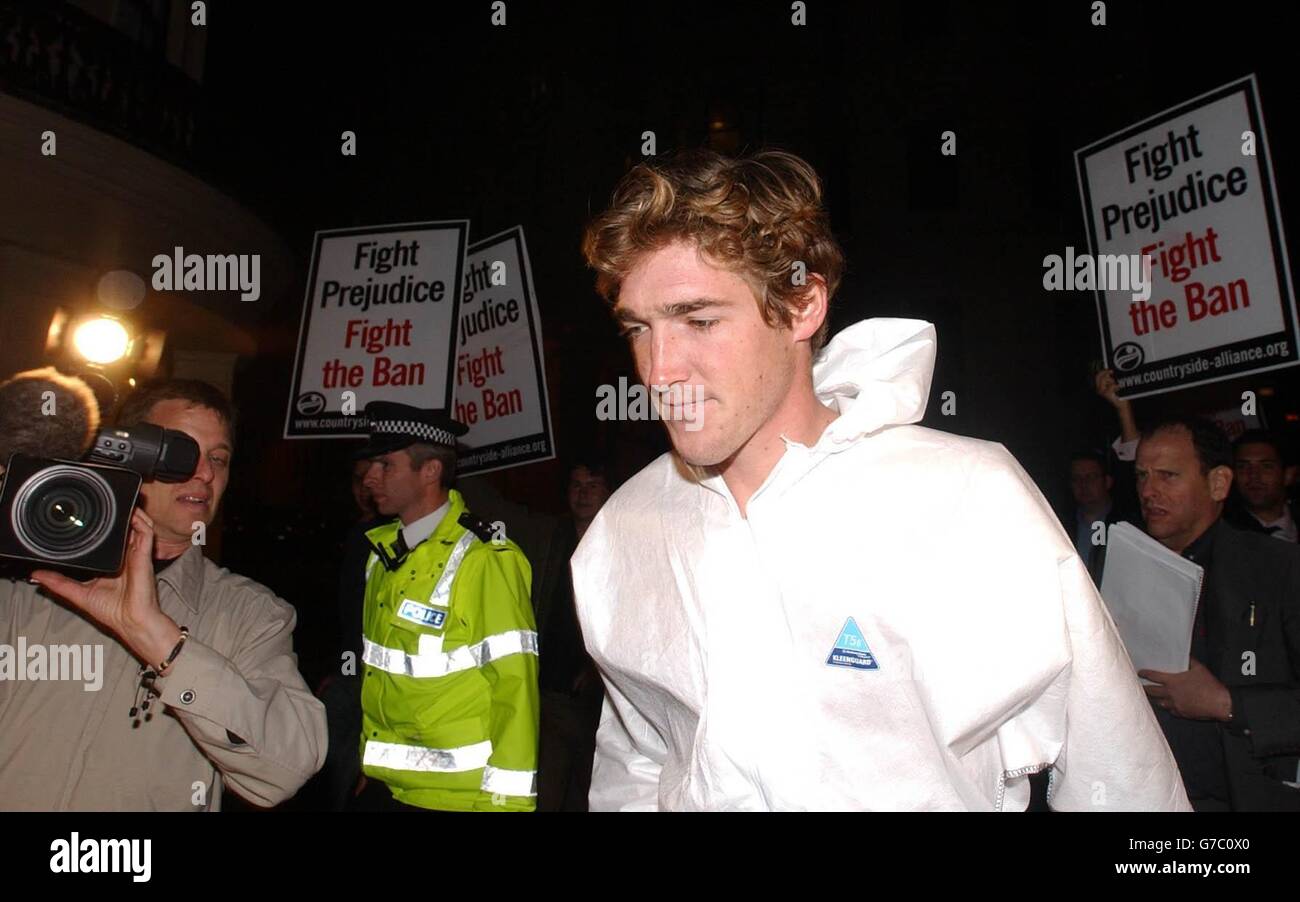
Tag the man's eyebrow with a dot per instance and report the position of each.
(222, 447)
(676, 308)
(694, 305)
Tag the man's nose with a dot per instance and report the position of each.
(204, 472)
(667, 362)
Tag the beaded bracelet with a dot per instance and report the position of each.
(146, 692)
(185, 634)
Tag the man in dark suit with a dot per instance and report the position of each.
(571, 689)
(1262, 476)
(341, 691)
(1233, 718)
(1095, 508)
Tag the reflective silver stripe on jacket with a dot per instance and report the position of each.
(442, 591)
(413, 757)
(437, 664)
(509, 782)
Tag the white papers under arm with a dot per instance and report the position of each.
(1151, 593)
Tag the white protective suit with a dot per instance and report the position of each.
(981, 653)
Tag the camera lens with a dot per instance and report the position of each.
(63, 512)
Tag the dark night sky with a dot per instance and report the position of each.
(533, 123)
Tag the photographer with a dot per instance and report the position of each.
(221, 647)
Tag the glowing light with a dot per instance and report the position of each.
(101, 340)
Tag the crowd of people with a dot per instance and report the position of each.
(1232, 719)
(777, 614)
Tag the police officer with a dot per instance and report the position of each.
(449, 649)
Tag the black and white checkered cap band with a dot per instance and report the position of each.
(417, 430)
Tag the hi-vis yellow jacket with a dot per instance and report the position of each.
(449, 694)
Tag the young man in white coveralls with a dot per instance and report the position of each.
(811, 603)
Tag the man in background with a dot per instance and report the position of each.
(1263, 476)
(449, 643)
(570, 686)
(1233, 717)
(1094, 508)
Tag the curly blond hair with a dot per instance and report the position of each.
(758, 216)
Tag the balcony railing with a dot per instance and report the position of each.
(62, 58)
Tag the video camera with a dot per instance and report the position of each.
(77, 515)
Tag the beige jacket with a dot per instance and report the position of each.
(233, 708)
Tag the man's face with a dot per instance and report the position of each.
(587, 493)
(696, 328)
(176, 507)
(360, 491)
(1090, 485)
(1261, 478)
(394, 483)
(1179, 502)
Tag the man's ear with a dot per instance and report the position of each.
(1110, 483)
(811, 309)
(431, 472)
(1220, 479)
(1288, 475)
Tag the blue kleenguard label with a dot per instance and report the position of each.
(851, 649)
